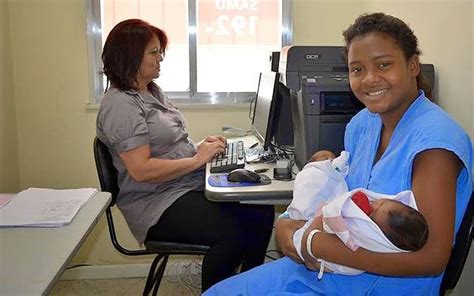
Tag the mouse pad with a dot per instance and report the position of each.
(220, 180)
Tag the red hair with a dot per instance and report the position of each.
(124, 49)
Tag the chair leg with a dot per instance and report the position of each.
(159, 275)
(151, 275)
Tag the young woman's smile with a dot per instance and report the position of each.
(380, 75)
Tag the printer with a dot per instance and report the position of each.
(321, 100)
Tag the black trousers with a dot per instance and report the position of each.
(236, 233)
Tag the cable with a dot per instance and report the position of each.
(289, 149)
(279, 254)
(252, 108)
(270, 257)
(188, 274)
(78, 265)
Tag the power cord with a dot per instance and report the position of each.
(78, 265)
(187, 275)
(278, 253)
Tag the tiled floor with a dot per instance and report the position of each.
(170, 286)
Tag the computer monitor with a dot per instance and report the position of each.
(282, 123)
(263, 121)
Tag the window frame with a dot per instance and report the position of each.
(192, 97)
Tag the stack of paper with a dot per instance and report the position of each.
(5, 198)
(39, 207)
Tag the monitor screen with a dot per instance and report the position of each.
(264, 107)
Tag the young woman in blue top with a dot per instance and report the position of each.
(401, 141)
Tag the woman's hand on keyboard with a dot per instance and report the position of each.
(206, 150)
(212, 139)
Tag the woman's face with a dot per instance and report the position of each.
(150, 66)
(380, 76)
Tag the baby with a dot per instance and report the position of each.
(377, 222)
(404, 226)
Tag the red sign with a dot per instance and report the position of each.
(239, 22)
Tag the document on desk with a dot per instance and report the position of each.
(40, 207)
(5, 198)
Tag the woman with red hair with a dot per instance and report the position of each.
(161, 170)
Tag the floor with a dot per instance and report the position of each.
(170, 286)
(179, 280)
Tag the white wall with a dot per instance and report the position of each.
(9, 174)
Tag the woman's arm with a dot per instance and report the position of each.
(144, 168)
(434, 186)
(284, 230)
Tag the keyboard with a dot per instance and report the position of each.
(233, 158)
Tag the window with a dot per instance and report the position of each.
(216, 47)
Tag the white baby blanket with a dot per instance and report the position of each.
(318, 182)
(345, 219)
(320, 189)
(355, 229)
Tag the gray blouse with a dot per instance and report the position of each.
(130, 119)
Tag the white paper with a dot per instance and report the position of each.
(254, 154)
(41, 207)
(5, 198)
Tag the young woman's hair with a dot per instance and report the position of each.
(393, 27)
(406, 228)
(124, 50)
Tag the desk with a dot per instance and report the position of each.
(33, 259)
(278, 192)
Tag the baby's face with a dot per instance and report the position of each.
(381, 208)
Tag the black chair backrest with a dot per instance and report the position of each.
(106, 170)
(108, 182)
(460, 250)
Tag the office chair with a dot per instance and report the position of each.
(108, 182)
(460, 251)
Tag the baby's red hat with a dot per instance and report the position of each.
(362, 201)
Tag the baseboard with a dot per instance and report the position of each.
(95, 272)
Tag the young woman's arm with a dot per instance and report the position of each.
(284, 230)
(144, 168)
(434, 186)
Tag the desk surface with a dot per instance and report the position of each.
(33, 259)
(278, 192)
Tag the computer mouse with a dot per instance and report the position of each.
(243, 175)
